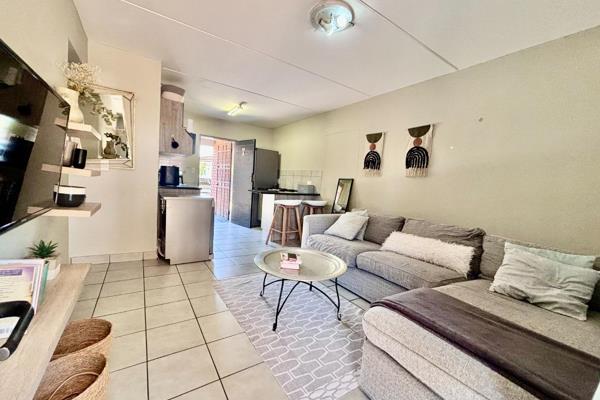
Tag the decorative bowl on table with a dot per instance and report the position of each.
(69, 196)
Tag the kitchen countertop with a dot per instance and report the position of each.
(282, 192)
(188, 187)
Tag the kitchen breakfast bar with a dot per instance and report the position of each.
(267, 203)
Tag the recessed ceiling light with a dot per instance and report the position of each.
(332, 16)
(237, 109)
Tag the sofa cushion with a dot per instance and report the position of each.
(348, 226)
(451, 234)
(347, 250)
(380, 227)
(407, 272)
(557, 287)
(452, 373)
(493, 254)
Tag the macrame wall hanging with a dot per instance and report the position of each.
(373, 154)
(418, 153)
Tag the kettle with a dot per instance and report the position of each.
(168, 175)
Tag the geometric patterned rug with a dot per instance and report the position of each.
(312, 354)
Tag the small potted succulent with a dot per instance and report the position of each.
(47, 251)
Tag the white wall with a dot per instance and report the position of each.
(528, 170)
(39, 32)
(127, 219)
(232, 130)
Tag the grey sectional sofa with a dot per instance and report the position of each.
(402, 360)
(373, 274)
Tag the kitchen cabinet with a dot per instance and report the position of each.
(172, 130)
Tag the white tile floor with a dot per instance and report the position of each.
(173, 335)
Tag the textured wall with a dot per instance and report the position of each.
(515, 148)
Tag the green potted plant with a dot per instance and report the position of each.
(47, 251)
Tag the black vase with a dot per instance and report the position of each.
(79, 158)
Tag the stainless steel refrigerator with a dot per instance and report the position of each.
(253, 169)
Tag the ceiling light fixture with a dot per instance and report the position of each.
(332, 16)
(237, 109)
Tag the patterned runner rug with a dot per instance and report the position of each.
(312, 354)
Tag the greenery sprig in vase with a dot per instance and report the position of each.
(81, 77)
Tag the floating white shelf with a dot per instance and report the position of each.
(83, 211)
(79, 130)
(70, 170)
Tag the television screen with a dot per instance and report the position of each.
(31, 142)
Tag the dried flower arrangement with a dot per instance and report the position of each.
(81, 77)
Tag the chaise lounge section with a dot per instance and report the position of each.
(413, 360)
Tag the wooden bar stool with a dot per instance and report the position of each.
(313, 207)
(289, 209)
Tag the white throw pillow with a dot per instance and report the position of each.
(575, 260)
(557, 287)
(448, 255)
(347, 226)
(365, 213)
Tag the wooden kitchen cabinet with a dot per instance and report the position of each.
(171, 127)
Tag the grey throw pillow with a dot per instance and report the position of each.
(347, 226)
(557, 287)
(381, 227)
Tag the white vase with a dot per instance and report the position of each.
(72, 97)
(53, 268)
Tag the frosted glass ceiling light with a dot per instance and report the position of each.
(237, 109)
(332, 16)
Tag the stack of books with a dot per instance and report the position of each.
(290, 261)
(21, 280)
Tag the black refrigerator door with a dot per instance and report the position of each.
(266, 169)
(243, 170)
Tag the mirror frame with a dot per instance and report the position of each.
(117, 163)
(337, 189)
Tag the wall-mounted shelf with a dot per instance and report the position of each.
(70, 170)
(79, 130)
(83, 211)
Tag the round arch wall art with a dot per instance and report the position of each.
(373, 154)
(418, 153)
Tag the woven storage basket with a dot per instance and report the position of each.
(75, 377)
(86, 336)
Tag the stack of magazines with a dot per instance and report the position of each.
(290, 261)
(21, 280)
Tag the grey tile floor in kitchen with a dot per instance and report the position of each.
(173, 335)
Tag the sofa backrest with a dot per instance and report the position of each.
(472, 237)
(493, 254)
(379, 227)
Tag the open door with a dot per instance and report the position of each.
(243, 171)
(220, 183)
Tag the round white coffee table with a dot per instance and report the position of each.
(316, 266)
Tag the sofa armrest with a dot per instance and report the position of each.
(316, 224)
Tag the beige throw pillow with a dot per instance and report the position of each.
(448, 255)
(347, 226)
(549, 284)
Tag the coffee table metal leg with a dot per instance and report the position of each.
(337, 293)
(277, 310)
(262, 291)
(310, 287)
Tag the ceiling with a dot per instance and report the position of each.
(266, 52)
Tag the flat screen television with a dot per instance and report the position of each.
(31, 142)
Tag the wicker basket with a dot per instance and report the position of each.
(86, 336)
(75, 377)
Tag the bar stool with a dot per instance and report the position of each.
(313, 207)
(288, 208)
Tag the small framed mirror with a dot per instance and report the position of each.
(113, 147)
(342, 195)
